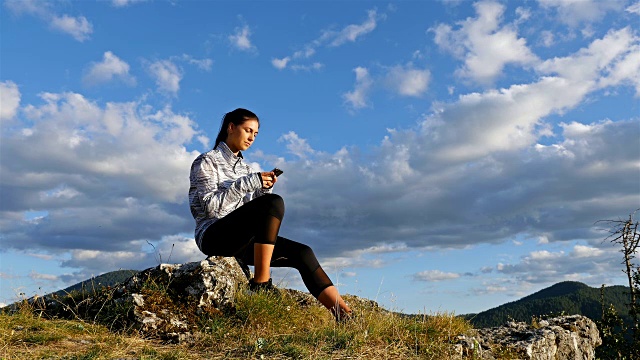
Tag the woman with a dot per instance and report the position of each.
(237, 214)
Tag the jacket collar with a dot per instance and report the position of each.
(227, 153)
(229, 156)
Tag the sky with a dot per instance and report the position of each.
(438, 156)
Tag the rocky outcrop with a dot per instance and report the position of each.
(565, 337)
(167, 299)
(161, 302)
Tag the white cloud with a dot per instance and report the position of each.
(31, 7)
(313, 67)
(479, 124)
(588, 64)
(547, 38)
(576, 12)
(357, 99)
(485, 47)
(111, 67)
(41, 256)
(634, 8)
(296, 145)
(584, 263)
(125, 3)
(434, 275)
(581, 251)
(78, 27)
(167, 76)
(280, 63)
(9, 100)
(240, 39)
(331, 38)
(352, 32)
(407, 80)
(128, 158)
(202, 64)
(39, 276)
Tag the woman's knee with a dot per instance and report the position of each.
(274, 205)
(307, 257)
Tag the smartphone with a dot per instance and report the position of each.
(277, 171)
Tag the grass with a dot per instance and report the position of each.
(264, 326)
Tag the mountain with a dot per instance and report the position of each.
(96, 283)
(568, 297)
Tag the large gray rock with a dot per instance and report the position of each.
(167, 298)
(211, 283)
(565, 337)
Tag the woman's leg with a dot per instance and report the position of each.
(255, 225)
(332, 300)
(288, 253)
(262, 254)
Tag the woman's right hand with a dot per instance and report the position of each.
(269, 178)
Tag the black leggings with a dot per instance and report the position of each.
(258, 221)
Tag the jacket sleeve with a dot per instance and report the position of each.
(219, 199)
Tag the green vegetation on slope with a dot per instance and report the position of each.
(263, 325)
(567, 297)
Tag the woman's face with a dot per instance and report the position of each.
(240, 137)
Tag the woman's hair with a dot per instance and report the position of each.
(237, 117)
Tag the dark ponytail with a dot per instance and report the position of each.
(237, 117)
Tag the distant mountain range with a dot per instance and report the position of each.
(568, 297)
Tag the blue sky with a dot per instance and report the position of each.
(438, 155)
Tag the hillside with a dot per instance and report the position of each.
(95, 283)
(567, 297)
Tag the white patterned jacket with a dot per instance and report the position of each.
(220, 183)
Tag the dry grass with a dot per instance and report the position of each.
(263, 327)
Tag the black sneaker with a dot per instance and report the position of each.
(266, 286)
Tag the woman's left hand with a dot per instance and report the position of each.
(269, 178)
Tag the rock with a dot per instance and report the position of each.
(211, 283)
(166, 299)
(160, 302)
(564, 337)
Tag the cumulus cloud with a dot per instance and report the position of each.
(125, 3)
(634, 8)
(576, 12)
(202, 64)
(105, 179)
(240, 39)
(9, 99)
(280, 63)
(310, 67)
(111, 67)
(357, 98)
(483, 44)
(583, 263)
(352, 32)
(77, 26)
(434, 275)
(330, 38)
(509, 119)
(407, 80)
(296, 145)
(167, 76)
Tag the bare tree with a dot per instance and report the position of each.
(625, 233)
